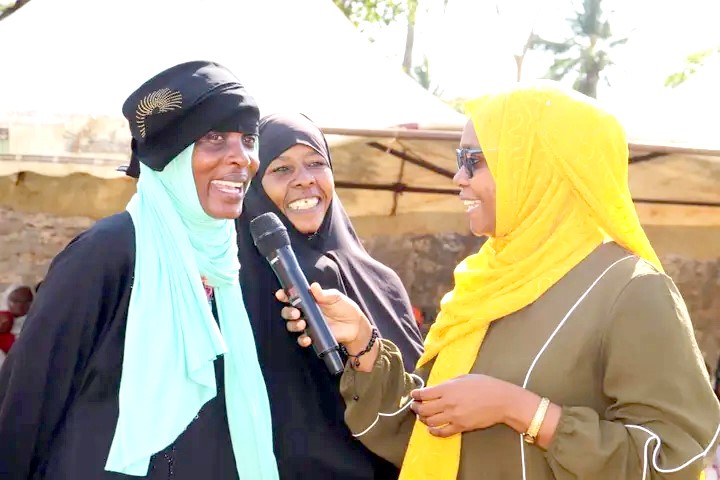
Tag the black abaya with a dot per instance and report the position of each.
(59, 385)
(310, 435)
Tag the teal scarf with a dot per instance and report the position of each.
(172, 338)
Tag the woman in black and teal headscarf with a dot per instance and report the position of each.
(137, 357)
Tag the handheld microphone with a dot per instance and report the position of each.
(271, 239)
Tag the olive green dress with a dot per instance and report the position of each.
(624, 358)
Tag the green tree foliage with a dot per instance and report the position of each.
(372, 11)
(693, 63)
(586, 51)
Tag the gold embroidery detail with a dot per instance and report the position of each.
(159, 101)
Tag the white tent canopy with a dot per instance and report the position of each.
(292, 56)
(87, 56)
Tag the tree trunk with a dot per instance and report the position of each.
(592, 70)
(591, 82)
(518, 66)
(409, 37)
(519, 58)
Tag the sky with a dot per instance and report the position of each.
(470, 50)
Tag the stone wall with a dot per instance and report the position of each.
(699, 283)
(28, 241)
(425, 264)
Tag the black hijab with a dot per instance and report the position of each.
(307, 410)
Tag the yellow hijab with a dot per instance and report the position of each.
(560, 166)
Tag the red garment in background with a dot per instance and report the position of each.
(6, 338)
(419, 317)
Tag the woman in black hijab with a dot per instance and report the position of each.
(295, 181)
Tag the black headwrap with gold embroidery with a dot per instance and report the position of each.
(176, 107)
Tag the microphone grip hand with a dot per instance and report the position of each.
(346, 321)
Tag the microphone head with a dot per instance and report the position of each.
(268, 233)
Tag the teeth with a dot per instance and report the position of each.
(229, 187)
(471, 204)
(304, 203)
(225, 183)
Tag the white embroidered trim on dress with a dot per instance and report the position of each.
(421, 384)
(652, 435)
(656, 451)
(550, 339)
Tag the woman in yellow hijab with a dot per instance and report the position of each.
(564, 351)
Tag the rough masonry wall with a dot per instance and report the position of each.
(425, 263)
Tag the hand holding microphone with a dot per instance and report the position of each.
(271, 239)
(348, 323)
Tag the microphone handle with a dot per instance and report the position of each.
(293, 281)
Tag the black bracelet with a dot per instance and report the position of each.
(356, 357)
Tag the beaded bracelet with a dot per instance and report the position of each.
(356, 357)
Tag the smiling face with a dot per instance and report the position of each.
(223, 165)
(300, 183)
(477, 191)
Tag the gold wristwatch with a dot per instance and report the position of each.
(532, 432)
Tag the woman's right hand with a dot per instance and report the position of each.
(347, 322)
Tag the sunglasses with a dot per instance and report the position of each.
(468, 158)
